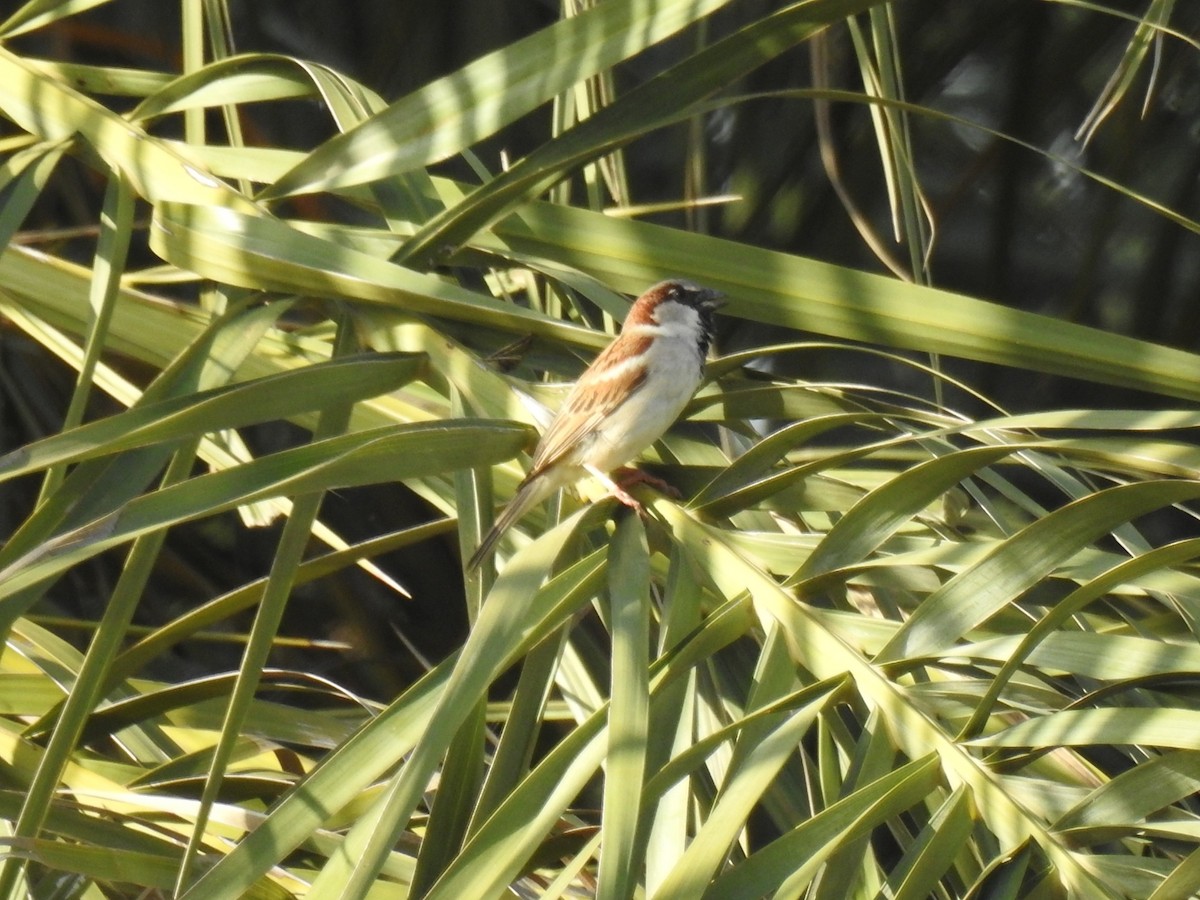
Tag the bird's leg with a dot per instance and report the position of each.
(615, 489)
(627, 478)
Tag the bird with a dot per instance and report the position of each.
(623, 402)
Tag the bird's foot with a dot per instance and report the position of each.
(625, 478)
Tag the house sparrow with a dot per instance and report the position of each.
(624, 402)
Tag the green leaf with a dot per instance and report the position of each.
(52, 111)
(516, 616)
(813, 296)
(37, 13)
(342, 775)
(1024, 559)
(1133, 796)
(1175, 728)
(665, 99)
(628, 712)
(266, 254)
(795, 857)
(23, 176)
(452, 113)
(389, 454)
(704, 856)
(273, 397)
(934, 852)
(497, 852)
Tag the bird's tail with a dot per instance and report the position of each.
(528, 495)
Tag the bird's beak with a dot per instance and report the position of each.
(714, 300)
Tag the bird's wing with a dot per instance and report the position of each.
(598, 392)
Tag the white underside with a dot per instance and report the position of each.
(641, 420)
